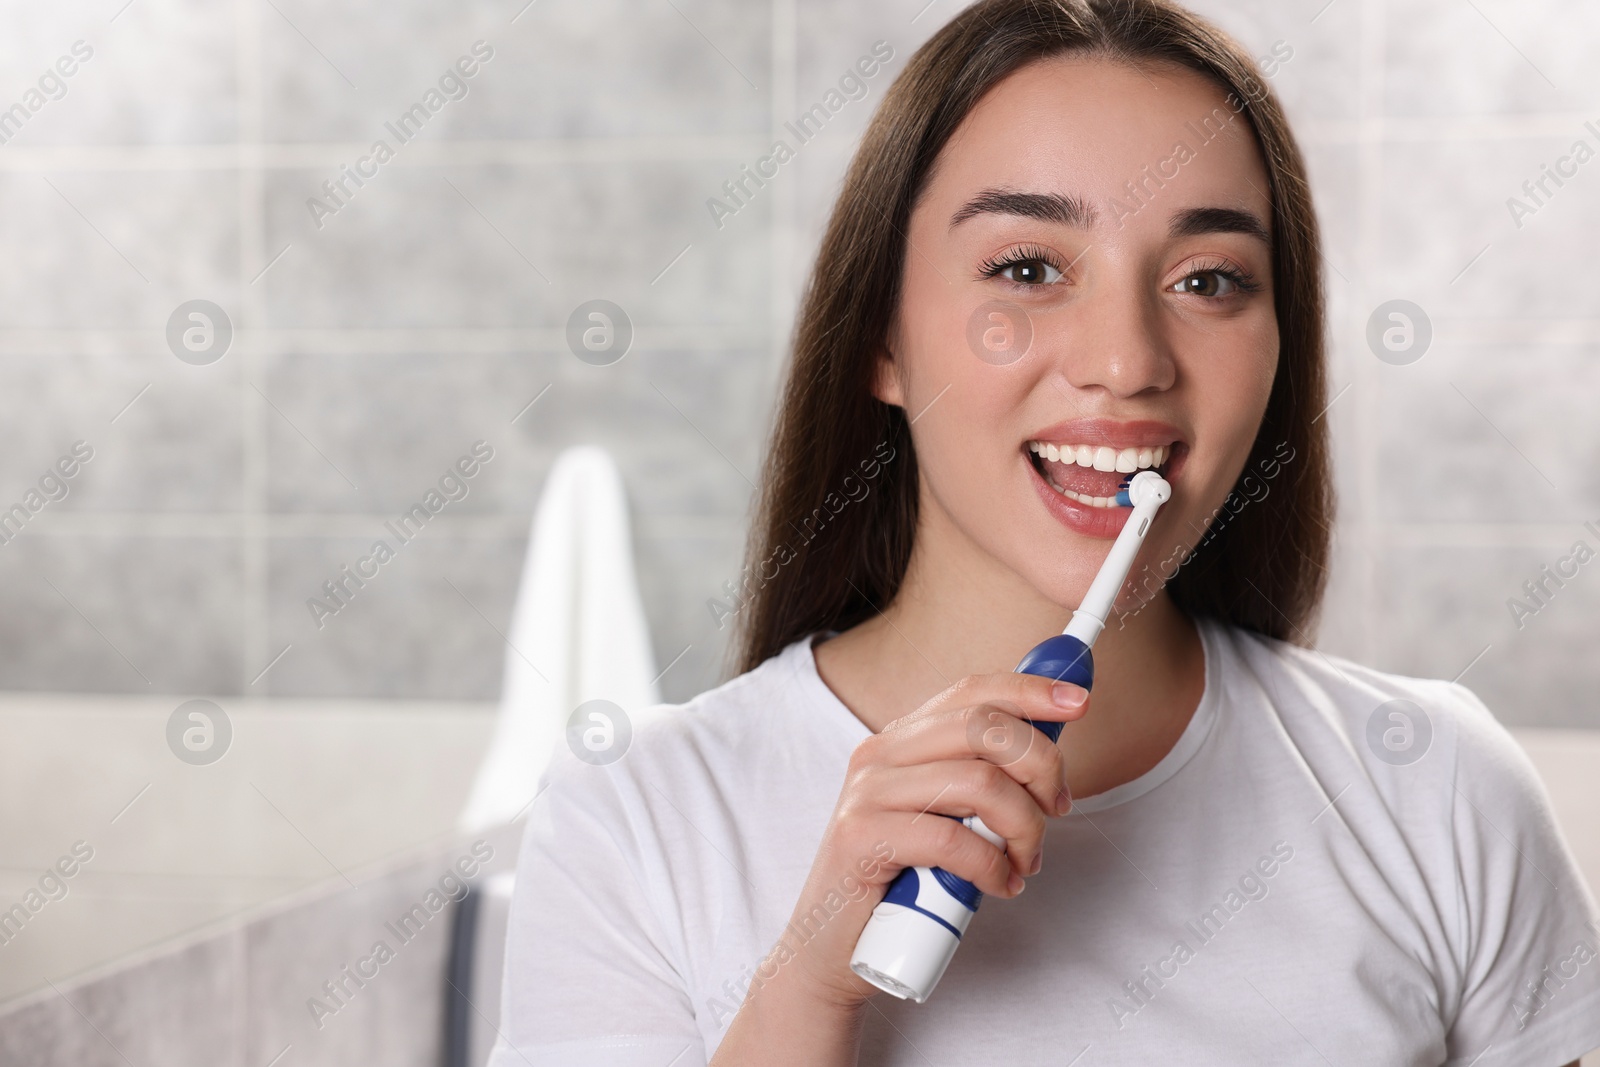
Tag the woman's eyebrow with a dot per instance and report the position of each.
(1194, 221)
(1048, 207)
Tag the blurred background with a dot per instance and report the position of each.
(256, 342)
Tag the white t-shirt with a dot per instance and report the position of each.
(1300, 880)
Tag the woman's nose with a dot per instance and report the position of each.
(1112, 339)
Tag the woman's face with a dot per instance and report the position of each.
(1087, 286)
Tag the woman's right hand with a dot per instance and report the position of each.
(967, 751)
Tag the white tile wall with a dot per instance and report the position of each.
(429, 310)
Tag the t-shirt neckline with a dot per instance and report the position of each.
(803, 663)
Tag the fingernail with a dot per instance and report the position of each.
(1038, 861)
(1063, 802)
(1068, 695)
(1015, 884)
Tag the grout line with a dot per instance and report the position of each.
(691, 148)
(421, 155)
(254, 561)
(783, 224)
(1536, 336)
(517, 342)
(1370, 535)
(511, 523)
(1409, 130)
(785, 217)
(241, 996)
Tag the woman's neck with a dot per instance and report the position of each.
(960, 613)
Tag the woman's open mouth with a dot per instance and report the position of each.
(1079, 481)
(1093, 474)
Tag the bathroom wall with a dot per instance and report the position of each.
(377, 338)
(302, 982)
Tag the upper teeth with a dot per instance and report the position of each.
(1101, 458)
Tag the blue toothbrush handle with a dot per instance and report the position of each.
(935, 894)
(1063, 658)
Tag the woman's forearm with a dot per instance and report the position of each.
(782, 1024)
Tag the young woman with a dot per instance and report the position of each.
(1271, 856)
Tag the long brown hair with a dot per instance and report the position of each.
(837, 512)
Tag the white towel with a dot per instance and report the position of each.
(578, 633)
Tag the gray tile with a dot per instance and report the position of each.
(1335, 176)
(831, 37)
(240, 995)
(91, 613)
(112, 924)
(818, 178)
(108, 250)
(194, 845)
(1345, 628)
(1439, 607)
(396, 1016)
(160, 74)
(1441, 459)
(48, 1033)
(177, 1008)
(1500, 437)
(1313, 66)
(1449, 241)
(335, 72)
(175, 444)
(406, 631)
(436, 408)
(517, 246)
(678, 577)
(704, 443)
(1465, 60)
(605, 69)
(705, 416)
(1317, 80)
(690, 406)
(677, 424)
(1349, 396)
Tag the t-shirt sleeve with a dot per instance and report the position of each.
(1528, 930)
(589, 977)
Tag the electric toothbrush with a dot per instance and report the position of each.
(915, 930)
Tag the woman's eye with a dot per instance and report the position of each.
(1030, 272)
(1210, 283)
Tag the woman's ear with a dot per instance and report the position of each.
(886, 378)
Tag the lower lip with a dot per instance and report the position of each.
(1085, 519)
